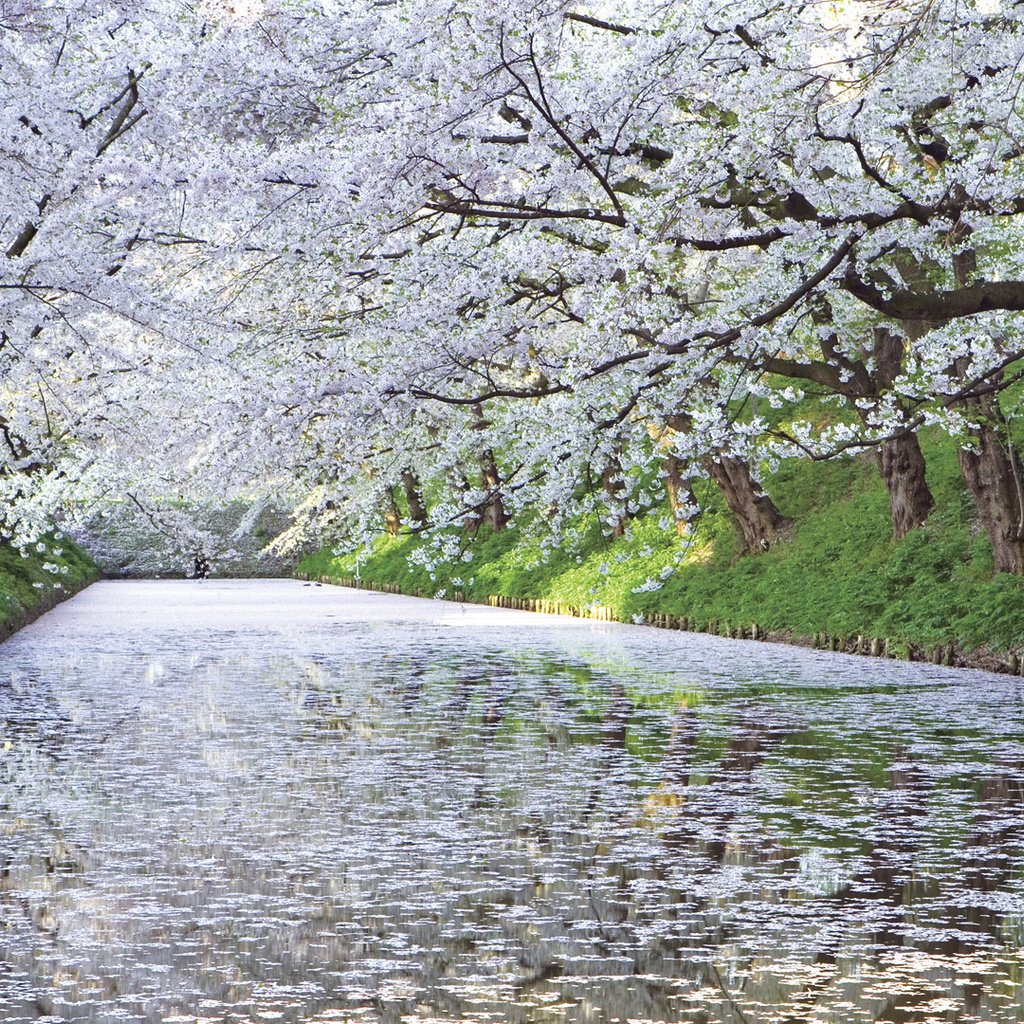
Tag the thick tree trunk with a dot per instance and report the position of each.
(901, 464)
(493, 511)
(611, 480)
(414, 498)
(760, 522)
(992, 471)
(680, 492)
(900, 461)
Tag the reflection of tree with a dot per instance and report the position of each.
(880, 907)
(616, 718)
(991, 855)
(887, 879)
(614, 727)
(879, 897)
(34, 731)
(32, 715)
(995, 848)
(534, 867)
(704, 819)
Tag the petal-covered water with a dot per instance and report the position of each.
(269, 801)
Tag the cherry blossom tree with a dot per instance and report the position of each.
(450, 263)
(686, 206)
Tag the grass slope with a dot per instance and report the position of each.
(840, 573)
(27, 588)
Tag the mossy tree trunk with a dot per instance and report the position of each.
(680, 492)
(864, 378)
(902, 467)
(490, 511)
(615, 487)
(414, 498)
(761, 523)
(900, 461)
(992, 472)
(493, 511)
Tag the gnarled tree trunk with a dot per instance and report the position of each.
(865, 379)
(901, 464)
(992, 471)
(614, 485)
(414, 498)
(493, 511)
(760, 522)
(900, 461)
(680, 491)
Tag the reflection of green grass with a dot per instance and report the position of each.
(841, 573)
(26, 587)
(818, 787)
(674, 697)
(813, 759)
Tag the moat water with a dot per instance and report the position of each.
(269, 801)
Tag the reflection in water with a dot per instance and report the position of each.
(400, 822)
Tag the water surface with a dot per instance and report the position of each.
(269, 801)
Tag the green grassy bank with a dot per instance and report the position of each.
(840, 582)
(34, 581)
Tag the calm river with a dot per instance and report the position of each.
(270, 801)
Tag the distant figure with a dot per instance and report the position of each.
(202, 566)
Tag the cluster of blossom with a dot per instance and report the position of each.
(412, 264)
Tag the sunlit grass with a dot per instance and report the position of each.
(841, 573)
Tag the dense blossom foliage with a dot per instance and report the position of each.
(423, 262)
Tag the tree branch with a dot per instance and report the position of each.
(904, 304)
(607, 26)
